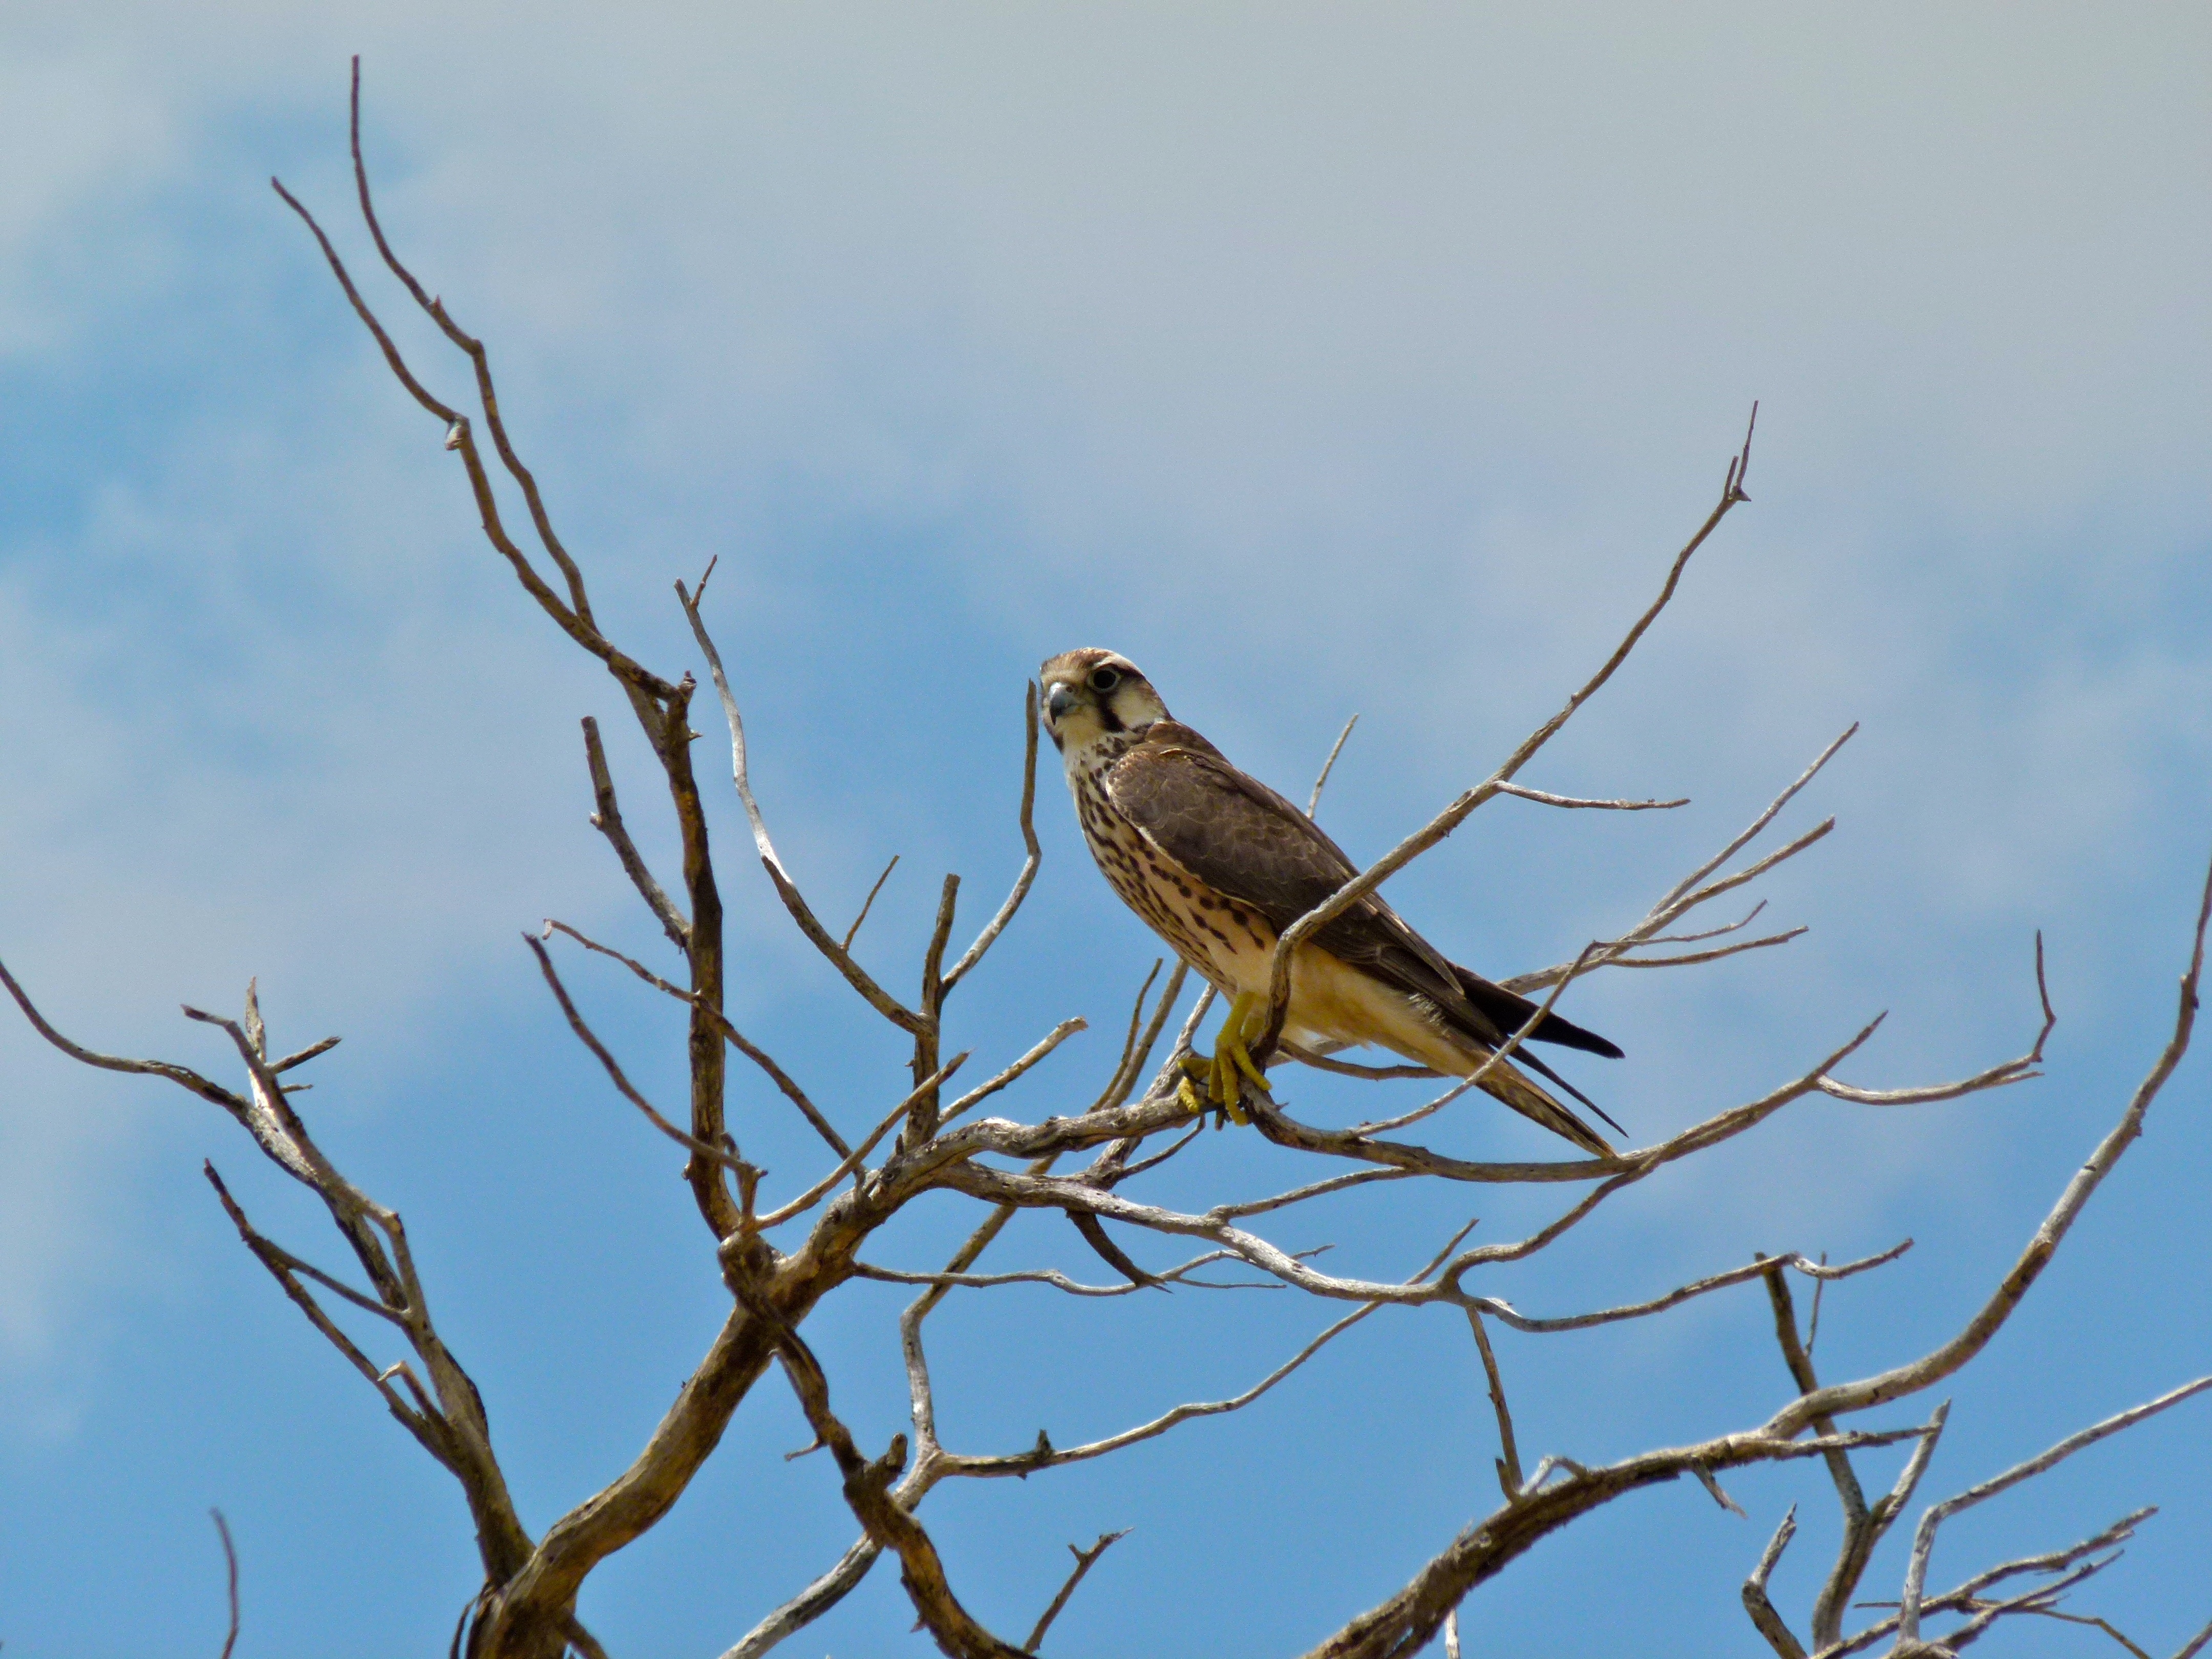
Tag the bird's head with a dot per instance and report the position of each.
(1092, 694)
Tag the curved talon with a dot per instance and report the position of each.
(1188, 1097)
(1242, 1056)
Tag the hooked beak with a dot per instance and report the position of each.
(1059, 698)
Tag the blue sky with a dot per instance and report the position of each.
(1323, 360)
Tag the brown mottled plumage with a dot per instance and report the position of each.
(1217, 864)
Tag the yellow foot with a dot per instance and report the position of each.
(1188, 1095)
(1232, 1062)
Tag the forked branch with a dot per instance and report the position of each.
(1453, 816)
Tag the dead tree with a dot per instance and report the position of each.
(782, 1252)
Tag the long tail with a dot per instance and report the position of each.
(1506, 1082)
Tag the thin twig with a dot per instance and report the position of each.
(807, 1199)
(714, 1154)
(1032, 856)
(1300, 1195)
(1055, 1278)
(736, 1038)
(1353, 1068)
(1084, 1560)
(1756, 1602)
(1354, 891)
(1128, 1062)
(1923, 1536)
(1692, 891)
(868, 904)
(1942, 1361)
(1549, 800)
(230, 1570)
(1170, 995)
(2195, 1644)
(858, 977)
(608, 821)
(2010, 1071)
(481, 361)
(1508, 1458)
(1313, 801)
(1045, 1045)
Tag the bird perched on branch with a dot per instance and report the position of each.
(1218, 864)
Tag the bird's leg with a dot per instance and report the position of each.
(1254, 1006)
(1231, 1057)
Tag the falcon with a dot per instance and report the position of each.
(1218, 864)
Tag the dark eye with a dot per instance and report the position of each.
(1105, 679)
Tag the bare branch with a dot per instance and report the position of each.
(608, 821)
(1052, 1277)
(1313, 801)
(2010, 1071)
(1688, 894)
(1083, 1561)
(481, 361)
(575, 622)
(301, 1057)
(855, 976)
(691, 1143)
(1932, 1367)
(867, 904)
(1286, 946)
(1689, 959)
(813, 1195)
(183, 1076)
(1548, 799)
(1300, 1195)
(1622, 1171)
(1704, 1477)
(1755, 1601)
(1025, 1464)
(1924, 1537)
(1681, 1293)
(1129, 1063)
(2104, 1626)
(922, 1123)
(833, 1586)
(2195, 1644)
(1352, 1068)
(1188, 1135)
(891, 1526)
(1858, 1536)
(230, 1570)
(1509, 1453)
(811, 1603)
(736, 1038)
(1140, 1056)
(945, 1160)
(1051, 1041)
(424, 1427)
(1033, 854)
(1967, 1597)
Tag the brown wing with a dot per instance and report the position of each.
(1245, 841)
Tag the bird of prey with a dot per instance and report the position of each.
(1218, 864)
